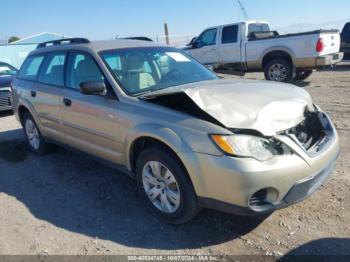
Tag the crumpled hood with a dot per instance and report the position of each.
(267, 107)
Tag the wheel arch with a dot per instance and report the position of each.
(21, 111)
(280, 52)
(145, 142)
(25, 107)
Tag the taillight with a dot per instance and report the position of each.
(320, 46)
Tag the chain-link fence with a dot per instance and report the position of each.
(175, 40)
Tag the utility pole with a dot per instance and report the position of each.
(166, 30)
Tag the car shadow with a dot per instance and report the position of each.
(328, 249)
(302, 83)
(85, 197)
(6, 113)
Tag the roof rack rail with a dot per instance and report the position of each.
(64, 41)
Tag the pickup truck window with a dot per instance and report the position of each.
(229, 34)
(53, 70)
(207, 38)
(30, 68)
(258, 28)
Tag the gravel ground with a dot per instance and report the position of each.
(66, 204)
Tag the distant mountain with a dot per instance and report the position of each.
(297, 28)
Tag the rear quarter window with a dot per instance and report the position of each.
(253, 28)
(30, 68)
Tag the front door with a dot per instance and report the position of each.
(205, 48)
(90, 121)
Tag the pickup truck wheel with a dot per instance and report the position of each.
(303, 75)
(280, 70)
(34, 138)
(165, 187)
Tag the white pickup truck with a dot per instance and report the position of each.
(250, 46)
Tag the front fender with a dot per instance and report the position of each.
(163, 134)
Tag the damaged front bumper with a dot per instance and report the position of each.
(249, 187)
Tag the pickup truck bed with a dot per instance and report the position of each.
(276, 35)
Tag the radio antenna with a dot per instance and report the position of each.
(244, 12)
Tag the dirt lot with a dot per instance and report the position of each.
(64, 203)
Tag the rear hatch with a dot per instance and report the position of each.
(331, 43)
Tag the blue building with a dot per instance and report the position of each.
(15, 53)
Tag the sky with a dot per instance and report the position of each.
(105, 19)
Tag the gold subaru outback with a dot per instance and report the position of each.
(190, 139)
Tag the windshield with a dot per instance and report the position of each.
(140, 70)
(7, 70)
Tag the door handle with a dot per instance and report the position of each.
(67, 102)
(32, 93)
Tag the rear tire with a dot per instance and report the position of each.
(162, 179)
(279, 70)
(303, 75)
(35, 140)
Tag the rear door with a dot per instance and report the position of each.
(43, 77)
(90, 121)
(205, 48)
(230, 46)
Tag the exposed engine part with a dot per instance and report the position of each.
(309, 132)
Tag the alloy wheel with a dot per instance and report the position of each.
(161, 187)
(278, 72)
(32, 134)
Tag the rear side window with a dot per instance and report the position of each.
(53, 70)
(230, 34)
(82, 68)
(258, 28)
(30, 68)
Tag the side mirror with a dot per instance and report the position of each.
(196, 44)
(190, 44)
(93, 88)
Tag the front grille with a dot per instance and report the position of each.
(309, 132)
(308, 186)
(5, 98)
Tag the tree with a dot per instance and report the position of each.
(13, 39)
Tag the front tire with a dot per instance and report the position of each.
(34, 138)
(279, 70)
(165, 186)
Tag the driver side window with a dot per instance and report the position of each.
(207, 38)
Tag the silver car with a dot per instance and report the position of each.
(190, 139)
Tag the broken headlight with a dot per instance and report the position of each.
(247, 146)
